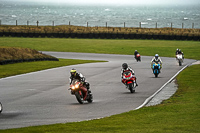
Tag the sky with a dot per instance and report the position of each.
(121, 2)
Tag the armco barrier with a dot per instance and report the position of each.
(101, 36)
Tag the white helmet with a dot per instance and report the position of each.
(156, 56)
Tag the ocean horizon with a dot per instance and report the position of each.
(148, 16)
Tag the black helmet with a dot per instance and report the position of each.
(124, 65)
(73, 72)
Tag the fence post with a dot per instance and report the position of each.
(37, 23)
(27, 23)
(192, 25)
(16, 22)
(124, 24)
(106, 25)
(171, 25)
(69, 22)
(140, 24)
(0, 22)
(156, 25)
(87, 24)
(53, 23)
(182, 25)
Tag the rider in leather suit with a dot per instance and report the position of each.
(81, 78)
(156, 59)
(125, 67)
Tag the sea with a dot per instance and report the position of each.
(145, 16)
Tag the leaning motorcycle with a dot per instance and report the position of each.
(129, 81)
(156, 69)
(138, 57)
(1, 107)
(81, 92)
(179, 58)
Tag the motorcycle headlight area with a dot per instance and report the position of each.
(77, 85)
(73, 87)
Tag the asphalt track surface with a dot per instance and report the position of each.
(42, 98)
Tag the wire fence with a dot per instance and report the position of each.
(140, 24)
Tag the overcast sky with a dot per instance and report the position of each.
(121, 2)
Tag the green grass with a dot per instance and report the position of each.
(179, 114)
(18, 68)
(119, 46)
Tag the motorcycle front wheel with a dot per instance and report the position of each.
(156, 75)
(130, 86)
(79, 97)
(90, 99)
(180, 63)
(156, 72)
(1, 107)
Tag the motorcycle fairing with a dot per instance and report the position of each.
(156, 68)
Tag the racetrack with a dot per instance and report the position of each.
(43, 98)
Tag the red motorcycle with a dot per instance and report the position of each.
(137, 57)
(129, 81)
(81, 92)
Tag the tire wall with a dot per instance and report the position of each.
(101, 36)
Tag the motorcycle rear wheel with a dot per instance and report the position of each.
(1, 107)
(79, 97)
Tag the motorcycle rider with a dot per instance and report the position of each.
(80, 77)
(176, 51)
(180, 52)
(125, 68)
(136, 52)
(156, 59)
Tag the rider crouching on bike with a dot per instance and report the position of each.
(135, 53)
(157, 60)
(179, 52)
(81, 78)
(125, 68)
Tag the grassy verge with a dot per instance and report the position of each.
(26, 67)
(13, 54)
(145, 47)
(179, 114)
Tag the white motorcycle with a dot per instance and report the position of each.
(1, 107)
(179, 58)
